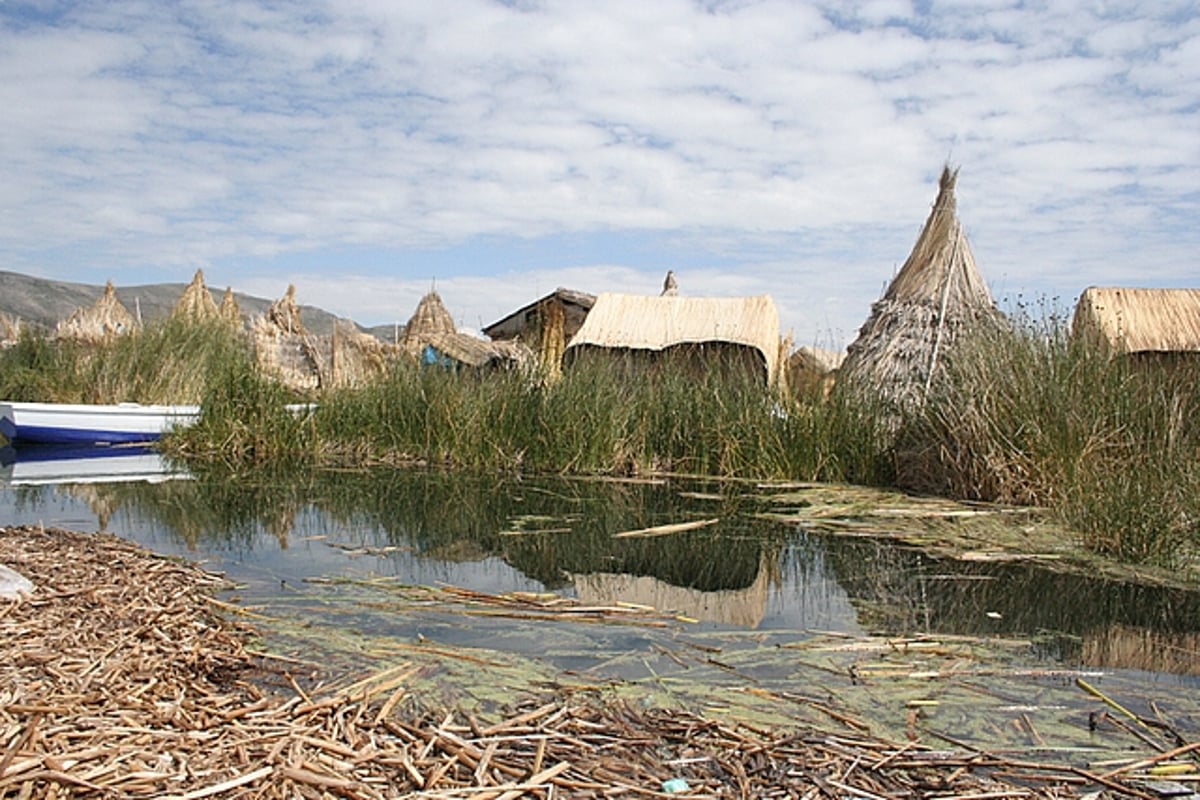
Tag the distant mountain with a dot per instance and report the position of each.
(44, 303)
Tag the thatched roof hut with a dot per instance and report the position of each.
(105, 318)
(936, 297)
(546, 325)
(1139, 321)
(196, 304)
(431, 337)
(810, 368)
(10, 329)
(714, 327)
(282, 347)
(229, 310)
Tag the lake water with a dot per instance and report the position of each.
(367, 558)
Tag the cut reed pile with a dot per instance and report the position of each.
(123, 679)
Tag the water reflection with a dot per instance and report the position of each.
(501, 534)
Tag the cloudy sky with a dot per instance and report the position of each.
(367, 152)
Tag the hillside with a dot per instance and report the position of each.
(43, 303)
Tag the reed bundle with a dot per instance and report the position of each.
(124, 679)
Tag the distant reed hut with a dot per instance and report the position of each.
(431, 337)
(936, 298)
(229, 310)
(546, 326)
(281, 348)
(1147, 324)
(812, 370)
(697, 333)
(196, 304)
(100, 322)
(10, 330)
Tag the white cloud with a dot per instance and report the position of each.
(786, 145)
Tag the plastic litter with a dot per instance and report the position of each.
(13, 584)
(675, 786)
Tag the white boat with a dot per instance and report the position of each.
(83, 423)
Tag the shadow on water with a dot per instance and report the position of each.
(498, 534)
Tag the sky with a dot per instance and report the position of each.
(493, 150)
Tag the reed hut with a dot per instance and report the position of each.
(431, 337)
(937, 296)
(546, 325)
(229, 311)
(705, 333)
(196, 304)
(813, 369)
(10, 330)
(100, 322)
(349, 357)
(281, 346)
(1143, 323)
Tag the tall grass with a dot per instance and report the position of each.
(1034, 417)
(165, 362)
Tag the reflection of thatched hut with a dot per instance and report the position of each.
(936, 297)
(196, 304)
(1140, 322)
(432, 338)
(708, 332)
(105, 318)
(546, 325)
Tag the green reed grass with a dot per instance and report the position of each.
(1033, 416)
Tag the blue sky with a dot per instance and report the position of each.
(368, 152)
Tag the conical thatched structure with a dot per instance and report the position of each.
(105, 318)
(10, 330)
(281, 346)
(431, 337)
(229, 310)
(937, 296)
(196, 304)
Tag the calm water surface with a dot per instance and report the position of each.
(298, 545)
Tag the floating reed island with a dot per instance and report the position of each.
(125, 677)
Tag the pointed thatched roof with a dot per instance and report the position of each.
(937, 296)
(105, 318)
(655, 323)
(196, 304)
(229, 310)
(10, 329)
(284, 314)
(1140, 320)
(431, 326)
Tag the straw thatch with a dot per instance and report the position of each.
(670, 285)
(431, 337)
(811, 368)
(10, 330)
(546, 325)
(281, 345)
(105, 318)
(196, 304)
(349, 357)
(229, 310)
(656, 324)
(937, 296)
(1131, 321)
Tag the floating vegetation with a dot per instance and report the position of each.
(126, 682)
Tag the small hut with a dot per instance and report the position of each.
(709, 332)
(937, 296)
(281, 346)
(546, 325)
(229, 311)
(196, 304)
(812, 369)
(98, 323)
(10, 330)
(431, 337)
(1144, 323)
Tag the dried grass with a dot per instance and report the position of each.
(126, 679)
